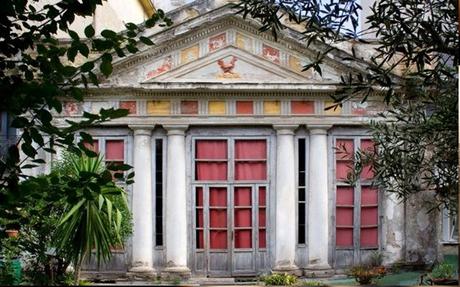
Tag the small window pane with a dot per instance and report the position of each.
(262, 217)
(262, 196)
(211, 171)
(250, 149)
(369, 237)
(250, 171)
(345, 195)
(243, 196)
(218, 196)
(243, 239)
(369, 216)
(344, 149)
(344, 237)
(114, 150)
(262, 238)
(243, 217)
(369, 195)
(211, 149)
(199, 239)
(218, 239)
(344, 216)
(218, 218)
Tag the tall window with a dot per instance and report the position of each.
(159, 192)
(357, 220)
(301, 190)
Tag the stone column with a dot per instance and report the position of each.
(176, 203)
(285, 229)
(142, 258)
(318, 207)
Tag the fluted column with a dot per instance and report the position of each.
(142, 258)
(318, 209)
(285, 229)
(176, 203)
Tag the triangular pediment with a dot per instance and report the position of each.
(228, 51)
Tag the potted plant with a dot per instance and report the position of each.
(443, 274)
(12, 233)
(366, 274)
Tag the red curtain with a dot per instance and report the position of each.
(211, 149)
(218, 218)
(342, 168)
(114, 150)
(344, 216)
(211, 171)
(262, 219)
(250, 149)
(250, 171)
(218, 239)
(345, 195)
(369, 237)
(199, 239)
(199, 196)
(262, 196)
(218, 196)
(199, 218)
(369, 195)
(344, 149)
(243, 196)
(243, 239)
(243, 217)
(344, 237)
(262, 238)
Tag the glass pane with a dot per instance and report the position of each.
(344, 237)
(344, 149)
(301, 213)
(369, 216)
(250, 149)
(218, 196)
(243, 217)
(211, 149)
(344, 216)
(262, 217)
(369, 195)
(262, 196)
(211, 171)
(243, 196)
(345, 195)
(218, 218)
(262, 238)
(243, 239)
(199, 218)
(218, 239)
(301, 194)
(199, 239)
(199, 196)
(250, 171)
(114, 150)
(369, 237)
(342, 169)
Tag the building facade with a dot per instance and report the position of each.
(240, 169)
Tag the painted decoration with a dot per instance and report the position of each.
(333, 111)
(160, 67)
(216, 107)
(227, 68)
(272, 107)
(302, 107)
(243, 42)
(189, 54)
(189, 107)
(217, 42)
(244, 107)
(97, 106)
(271, 54)
(158, 107)
(130, 106)
(297, 66)
(358, 108)
(72, 108)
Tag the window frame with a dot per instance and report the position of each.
(306, 187)
(357, 192)
(154, 188)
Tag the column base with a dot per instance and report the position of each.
(318, 271)
(291, 269)
(142, 272)
(176, 272)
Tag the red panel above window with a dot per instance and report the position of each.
(244, 107)
(189, 107)
(114, 150)
(302, 107)
(211, 149)
(250, 149)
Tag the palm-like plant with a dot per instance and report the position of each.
(90, 221)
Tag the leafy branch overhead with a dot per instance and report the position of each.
(412, 50)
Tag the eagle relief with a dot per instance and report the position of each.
(227, 69)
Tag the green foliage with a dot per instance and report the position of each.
(279, 279)
(413, 70)
(366, 274)
(9, 251)
(312, 283)
(37, 73)
(443, 271)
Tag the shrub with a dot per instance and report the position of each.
(279, 279)
(312, 283)
(443, 271)
(366, 274)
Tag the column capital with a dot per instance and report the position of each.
(140, 130)
(318, 129)
(285, 129)
(175, 129)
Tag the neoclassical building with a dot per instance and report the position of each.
(236, 160)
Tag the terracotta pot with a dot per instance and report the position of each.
(12, 233)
